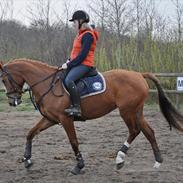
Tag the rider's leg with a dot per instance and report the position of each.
(74, 109)
(74, 75)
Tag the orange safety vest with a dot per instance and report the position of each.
(89, 60)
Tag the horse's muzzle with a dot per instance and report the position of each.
(15, 101)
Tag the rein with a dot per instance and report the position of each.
(51, 86)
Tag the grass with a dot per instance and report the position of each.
(2, 97)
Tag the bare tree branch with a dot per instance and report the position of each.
(179, 17)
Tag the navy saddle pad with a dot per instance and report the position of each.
(92, 85)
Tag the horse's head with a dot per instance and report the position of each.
(13, 83)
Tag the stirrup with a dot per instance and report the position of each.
(73, 111)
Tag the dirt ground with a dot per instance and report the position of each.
(99, 141)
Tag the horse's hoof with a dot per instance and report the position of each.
(156, 165)
(120, 165)
(76, 170)
(28, 163)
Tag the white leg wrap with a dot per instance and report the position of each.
(156, 164)
(29, 161)
(120, 157)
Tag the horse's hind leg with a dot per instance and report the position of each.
(149, 134)
(133, 123)
(137, 123)
(43, 124)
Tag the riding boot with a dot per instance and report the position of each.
(74, 109)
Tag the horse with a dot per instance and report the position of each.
(125, 90)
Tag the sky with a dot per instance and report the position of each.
(20, 8)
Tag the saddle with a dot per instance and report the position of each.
(91, 84)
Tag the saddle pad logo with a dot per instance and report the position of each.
(97, 86)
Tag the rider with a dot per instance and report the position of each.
(81, 59)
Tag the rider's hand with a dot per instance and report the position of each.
(64, 66)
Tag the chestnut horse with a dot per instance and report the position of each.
(125, 90)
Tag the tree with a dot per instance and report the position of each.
(138, 19)
(40, 13)
(119, 20)
(100, 10)
(6, 9)
(179, 18)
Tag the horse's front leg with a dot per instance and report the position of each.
(43, 124)
(68, 125)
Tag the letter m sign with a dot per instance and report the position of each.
(179, 83)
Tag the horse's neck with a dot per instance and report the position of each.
(32, 74)
(35, 74)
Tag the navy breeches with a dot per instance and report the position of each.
(76, 73)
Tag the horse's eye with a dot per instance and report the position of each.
(3, 81)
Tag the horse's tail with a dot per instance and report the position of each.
(173, 117)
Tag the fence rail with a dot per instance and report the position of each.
(168, 74)
(167, 91)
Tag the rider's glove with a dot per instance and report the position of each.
(68, 60)
(64, 66)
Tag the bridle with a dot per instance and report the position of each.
(17, 88)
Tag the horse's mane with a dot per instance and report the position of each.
(34, 62)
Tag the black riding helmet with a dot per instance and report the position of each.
(80, 14)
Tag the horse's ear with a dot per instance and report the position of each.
(1, 67)
(1, 64)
